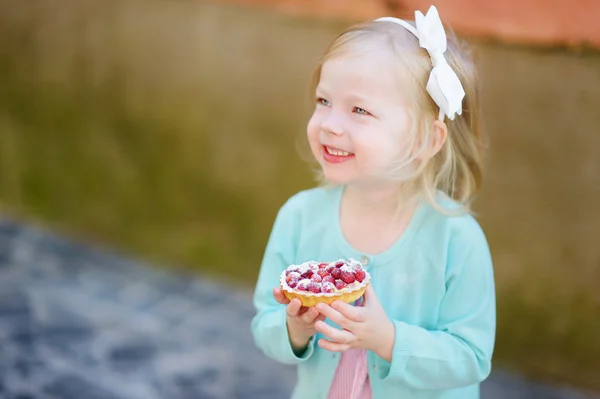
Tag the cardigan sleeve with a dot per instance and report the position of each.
(269, 326)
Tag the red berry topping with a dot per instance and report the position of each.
(292, 276)
(336, 273)
(307, 274)
(339, 284)
(328, 287)
(347, 277)
(360, 275)
(357, 266)
(324, 276)
(303, 284)
(314, 287)
(328, 279)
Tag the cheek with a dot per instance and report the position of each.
(377, 153)
(312, 123)
(377, 145)
(313, 130)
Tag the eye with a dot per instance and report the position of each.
(322, 101)
(361, 111)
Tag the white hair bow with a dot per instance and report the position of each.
(443, 84)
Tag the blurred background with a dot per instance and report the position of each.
(172, 131)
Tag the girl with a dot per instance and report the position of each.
(395, 131)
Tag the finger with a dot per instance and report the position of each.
(334, 315)
(310, 315)
(320, 317)
(293, 307)
(279, 296)
(334, 334)
(352, 313)
(333, 346)
(303, 310)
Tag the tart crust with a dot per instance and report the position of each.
(308, 298)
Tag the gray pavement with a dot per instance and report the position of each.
(83, 323)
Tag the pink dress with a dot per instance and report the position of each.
(351, 379)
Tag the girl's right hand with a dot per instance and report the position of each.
(300, 320)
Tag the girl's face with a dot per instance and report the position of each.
(360, 123)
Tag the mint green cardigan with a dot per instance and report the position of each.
(435, 283)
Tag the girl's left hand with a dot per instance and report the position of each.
(365, 326)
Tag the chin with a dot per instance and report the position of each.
(336, 178)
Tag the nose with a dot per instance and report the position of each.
(333, 123)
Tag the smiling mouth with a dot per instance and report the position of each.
(333, 155)
(336, 152)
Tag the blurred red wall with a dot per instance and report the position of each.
(573, 23)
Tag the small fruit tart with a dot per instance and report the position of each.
(313, 282)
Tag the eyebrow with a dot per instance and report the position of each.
(351, 96)
(359, 98)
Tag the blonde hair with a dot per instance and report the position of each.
(457, 168)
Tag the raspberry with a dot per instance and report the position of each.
(323, 265)
(314, 287)
(291, 270)
(323, 273)
(330, 268)
(360, 275)
(329, 279)
(339, 263)
(316, 278)
(303, 284)
(307, 274)
(339, 284)
(292, 276)
(292, 283)
(347, 277)
(336, 273)
(328, 287)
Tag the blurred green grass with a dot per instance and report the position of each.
(171, 130)
(117, 131)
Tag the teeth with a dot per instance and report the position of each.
(337, 152)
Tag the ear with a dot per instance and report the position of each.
(440, 133)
